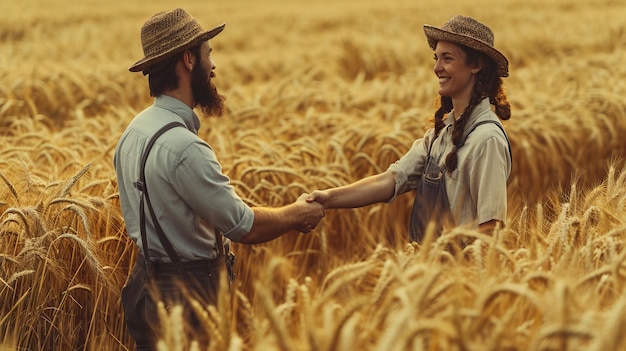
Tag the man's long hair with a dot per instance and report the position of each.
(162, 76)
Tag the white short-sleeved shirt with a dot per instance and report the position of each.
(190, 195)
(477, 188)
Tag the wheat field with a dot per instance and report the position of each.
(320, 94)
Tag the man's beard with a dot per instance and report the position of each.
(205, 93)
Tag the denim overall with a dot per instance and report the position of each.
(431, 199)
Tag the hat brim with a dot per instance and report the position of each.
(146, 62)
(434, 35)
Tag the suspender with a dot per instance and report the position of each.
(141, 185)
(467, 133)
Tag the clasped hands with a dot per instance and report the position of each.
(312, 206)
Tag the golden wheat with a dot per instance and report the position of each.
(320, 94)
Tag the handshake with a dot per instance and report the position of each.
(311, 210)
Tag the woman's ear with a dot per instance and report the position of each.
(479, 66)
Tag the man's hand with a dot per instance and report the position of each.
(272, 222)
(312, 213)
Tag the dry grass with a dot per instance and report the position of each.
(320, 94)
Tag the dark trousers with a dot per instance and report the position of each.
(174, 285)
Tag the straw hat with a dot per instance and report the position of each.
(168, 33)
(471, 33)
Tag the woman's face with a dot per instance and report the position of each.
(456, 78)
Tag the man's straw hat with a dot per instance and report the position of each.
(168, 33)
(471, 33)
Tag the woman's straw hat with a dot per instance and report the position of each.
(168, 33)
(471, 33)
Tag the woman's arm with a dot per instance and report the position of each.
(364, 192)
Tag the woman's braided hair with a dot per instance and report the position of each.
(488, 84)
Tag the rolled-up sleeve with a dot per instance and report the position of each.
(408, 169)
(200, 182)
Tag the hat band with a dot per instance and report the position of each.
(485, 35)
(158, 43)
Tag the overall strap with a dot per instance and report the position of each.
(141, 185)
(430, 146)
(469, 131)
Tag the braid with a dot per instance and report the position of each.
(494, 89)
(500, 101)
(459, 125)
(446, 107)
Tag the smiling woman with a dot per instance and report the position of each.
(456, 74)
(461, 166)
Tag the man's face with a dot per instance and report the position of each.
(204, 92)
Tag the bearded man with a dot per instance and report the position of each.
(178, 206)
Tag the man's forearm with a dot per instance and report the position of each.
(270, 223)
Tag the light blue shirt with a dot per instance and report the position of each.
(190, 195)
